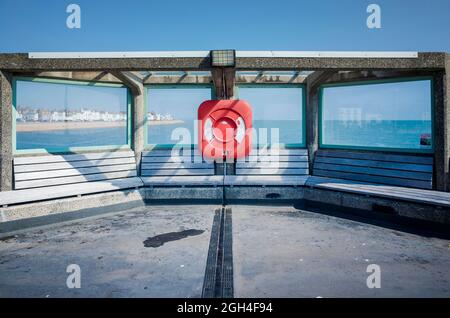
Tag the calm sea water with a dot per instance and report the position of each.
(386, 133)
(398, 134)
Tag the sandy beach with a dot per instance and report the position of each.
(49, 126)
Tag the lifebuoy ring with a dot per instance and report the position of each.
(225, 129)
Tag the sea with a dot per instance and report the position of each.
(384, 133)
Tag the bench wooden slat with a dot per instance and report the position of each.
(375, 164)
(70, 158)
(166, 159)
(177, 172)
(170, 153)
(170, 181)
(279, 151)
(375, 171)
(265, 180)
(74, 164)
(382, 189)
(62, 191)
(264, 171)
(273, 158)
(271, 164)
(74, 179)
(427, 160)
(407, 194)
(186, 165)
(374, 179)
(72, 172)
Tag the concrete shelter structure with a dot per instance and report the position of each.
(312, 69)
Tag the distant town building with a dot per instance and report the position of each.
(26, 114)
(155, 116)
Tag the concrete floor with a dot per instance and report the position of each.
(284, 252)
(111, 253)
(278, 251)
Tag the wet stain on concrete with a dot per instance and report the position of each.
(159, 240)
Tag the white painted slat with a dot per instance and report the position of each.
(428, 160)
(172, 159)
(177, 172)
(183, 181)
(375, 164)
(69, 158)
(170, 153)
(73, 164)
(281, 158)
(72, 172)
(386, 189)
(374, 179)
(375, 171)
(279, 151)
(265, 180)
(420, 196)
(55, 192)
(280, 171)
(186, 165)
(271, 164)
(74, 179)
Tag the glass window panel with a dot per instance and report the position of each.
(384, 115)
(56, 116)
(170, 108)
(276, 107)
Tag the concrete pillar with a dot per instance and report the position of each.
(441, 132)
(138, 142)
(442, 128)
(138, 113)
(312, 123)
(6, 151)
(224, 82)
(446, 85)
(313, 82)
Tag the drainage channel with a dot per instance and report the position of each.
(218, 281)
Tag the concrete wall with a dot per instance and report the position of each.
(5, 131)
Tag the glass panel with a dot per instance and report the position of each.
(275, 107)
(384, 115)
(55, 116)
(170, 108)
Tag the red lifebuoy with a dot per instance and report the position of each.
(225, 129)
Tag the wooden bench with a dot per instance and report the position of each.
(276, 167)
(38, 178)
(392, 169)
(173, 168)
(394, 176)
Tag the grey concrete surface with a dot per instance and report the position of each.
(6, 131)
(284, 252)
(278, 251)
(111, 254)
(67, 205)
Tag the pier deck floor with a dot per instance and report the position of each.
(278, 251)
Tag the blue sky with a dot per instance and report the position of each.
(389, 101)
(70, 97)
(138, 25)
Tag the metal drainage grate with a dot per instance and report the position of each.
(218, 281)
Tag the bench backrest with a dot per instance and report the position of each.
(413, 171)
(174, 163)
(274, 162)
(52, 170)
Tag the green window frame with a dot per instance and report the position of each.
(148, 87)
(125, 146)
(301, 143)
(372, 82)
